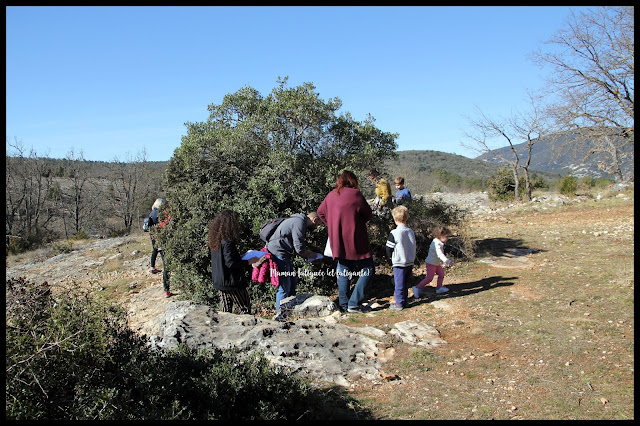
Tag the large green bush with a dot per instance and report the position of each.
(272, 156)
(263, 157)
(73, 357)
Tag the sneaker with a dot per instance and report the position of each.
(441, 290)
(395, 307)
(416, 292)
(155, 271)
(354, 310)
(167, 294)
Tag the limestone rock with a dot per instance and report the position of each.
(326, 352)
(306, 305)
(416, 333)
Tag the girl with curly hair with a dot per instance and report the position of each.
(227, 266)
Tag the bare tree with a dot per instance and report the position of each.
(592, 80)
(530, 126)
(485, 132)
(129, 187)
(28, 180)
(79, 200)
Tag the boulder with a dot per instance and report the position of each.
(304, 306)
(317, 349)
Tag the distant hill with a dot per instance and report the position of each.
(435, 171)
(431, 171)
(557, 154)
(428, 171)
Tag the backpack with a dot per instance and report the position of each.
(269, 227)
(146, 224)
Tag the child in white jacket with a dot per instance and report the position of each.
(434, 261)
(401, 249)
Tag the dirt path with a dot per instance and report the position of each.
(117, 268)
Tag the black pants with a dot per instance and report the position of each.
(154, 254)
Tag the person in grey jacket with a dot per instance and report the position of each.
(401, 249)
(287, 240)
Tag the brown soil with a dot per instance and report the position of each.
(541, 326)
(539, 338)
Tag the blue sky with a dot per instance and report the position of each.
(111, 81)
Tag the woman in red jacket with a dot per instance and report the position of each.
(346, 213)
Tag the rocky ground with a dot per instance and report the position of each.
(90, 264)
(120, 266)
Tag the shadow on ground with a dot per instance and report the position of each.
(464, 289)
(335, 403)
(500, 246)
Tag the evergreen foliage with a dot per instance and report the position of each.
(72, 357)
(263, 157)
(502, 185)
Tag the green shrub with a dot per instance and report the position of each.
(603, 183)
(568, 185)
(28, 240)
(502, 185)
(16, 244)
(538, 182)
(72, 357)
(588, 183)
(263, 157)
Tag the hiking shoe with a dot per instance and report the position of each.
(167, 294)
(395, 307)
(155, 271)
(355, 310)
(441, 290)
(416, 292)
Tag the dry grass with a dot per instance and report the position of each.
(549, 338)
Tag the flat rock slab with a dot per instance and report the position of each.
(317, 348)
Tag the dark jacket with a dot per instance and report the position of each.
(227, 267)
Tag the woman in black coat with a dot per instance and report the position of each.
(227, 266)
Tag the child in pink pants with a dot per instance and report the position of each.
(434, 261)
